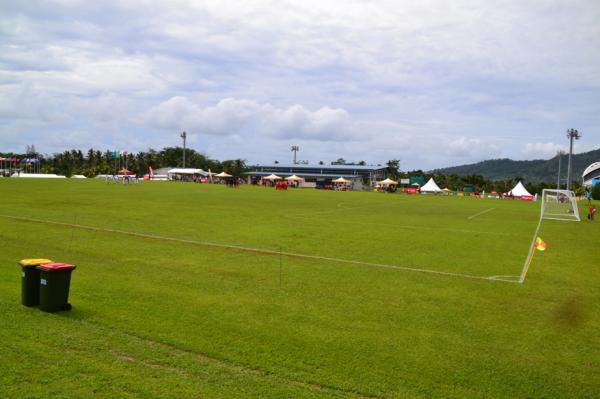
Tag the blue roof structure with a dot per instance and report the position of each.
(320, 171)
(313, 166)
(300, 174)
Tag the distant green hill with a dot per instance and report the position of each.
(535, 171)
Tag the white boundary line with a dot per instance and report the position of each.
(530, 253)
(480, 213)
(263, 251)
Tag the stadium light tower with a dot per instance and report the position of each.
(295, 149)
(571, 134)
(559, 154)
(183, 136)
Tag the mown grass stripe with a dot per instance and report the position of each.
(260, 250)
(100, 328)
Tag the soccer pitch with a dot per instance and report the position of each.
(187, 290)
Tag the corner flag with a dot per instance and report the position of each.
(539, 244)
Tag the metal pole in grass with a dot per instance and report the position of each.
(280, 268)
(560, 153)
(571, 134)
(72, 234)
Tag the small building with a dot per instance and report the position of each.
(591, 175)
(321, 176)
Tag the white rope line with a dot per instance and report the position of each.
(480, 213)
(258, 250)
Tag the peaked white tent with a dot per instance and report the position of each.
(341, 180)
(431, 187)
(519, 190)
(272, 177)
(388, 182)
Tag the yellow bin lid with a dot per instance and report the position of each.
(34, 262)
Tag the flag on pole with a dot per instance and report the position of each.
(539, 244)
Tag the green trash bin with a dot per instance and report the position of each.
(30, 281)
(55, 279)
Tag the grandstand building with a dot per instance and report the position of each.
(321, 175)
(591, 175)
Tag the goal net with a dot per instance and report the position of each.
(559, 205)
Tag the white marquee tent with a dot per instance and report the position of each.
(272, 177)
(387, 182)
(519, 190)
(431, 187)
(187, 171)
(341, 180)
(38, 175)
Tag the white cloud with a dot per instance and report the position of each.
(543, 150)
(231, 117)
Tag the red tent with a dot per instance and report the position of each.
(125, 172)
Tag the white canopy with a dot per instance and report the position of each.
(223, 174)
(519, 190)
(38, 175)
(341, 180)
(431, 187)
(272, 177)
(187, 171)
(294, 178)
(387, 181)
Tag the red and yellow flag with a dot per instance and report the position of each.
(539, 244)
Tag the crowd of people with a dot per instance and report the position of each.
(123, 179)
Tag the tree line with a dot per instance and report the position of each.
(479, 183)
(95, 162)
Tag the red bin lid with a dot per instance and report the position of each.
(53, 267)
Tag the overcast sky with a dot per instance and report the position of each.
(433, 83)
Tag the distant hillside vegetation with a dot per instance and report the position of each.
(531, 171)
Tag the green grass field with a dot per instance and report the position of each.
(159, 311)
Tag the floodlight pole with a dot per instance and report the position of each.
(571, 134)
(559, 154)
(183, 136)
(295, 149)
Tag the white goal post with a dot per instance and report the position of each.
(559, 205)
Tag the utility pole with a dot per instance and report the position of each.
(571, 134)
(183, 136)
(295, 149)
(559, 154)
